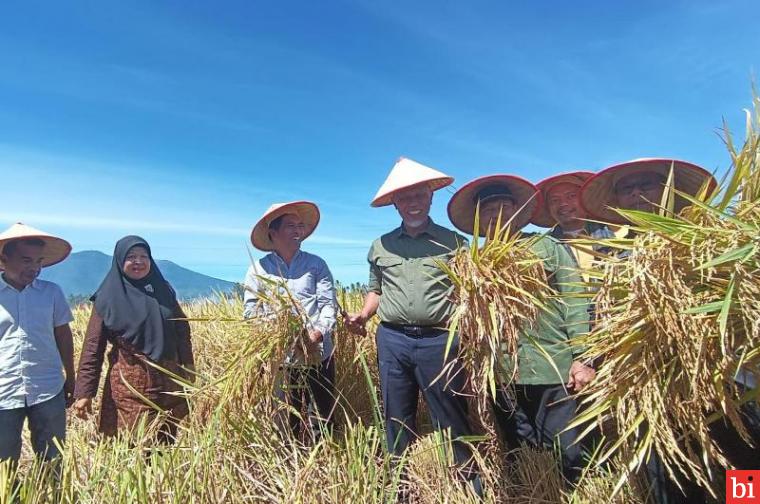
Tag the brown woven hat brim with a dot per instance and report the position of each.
(306, 210)
(598, 193)
(542, 217)
(461, 208)
(55, 249)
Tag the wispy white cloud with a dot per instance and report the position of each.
(100, 223)
(103, 223)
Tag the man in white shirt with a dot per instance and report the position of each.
(308, 279)
(35, 343)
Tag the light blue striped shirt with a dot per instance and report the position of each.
(31, 370)
(307, 278)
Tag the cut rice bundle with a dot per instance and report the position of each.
(678, 326)
(499, 289)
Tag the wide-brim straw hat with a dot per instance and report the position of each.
(462, 206)
(306, 210)
(598, 193)
(542, 217)
(407, 173)
(55, 249)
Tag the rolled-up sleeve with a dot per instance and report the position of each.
(375, 274)
(61, 309)
(325, 300)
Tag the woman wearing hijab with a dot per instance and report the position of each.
(134, 309)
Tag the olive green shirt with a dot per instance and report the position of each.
(404, 271)
(563, 318)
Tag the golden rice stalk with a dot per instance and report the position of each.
(257, 373)
(499, 289)
(678, 323)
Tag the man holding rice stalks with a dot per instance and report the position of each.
(561, 210)
(303, 278)
(538, 313)
(411, 294)
(639, 185)
(669, 361)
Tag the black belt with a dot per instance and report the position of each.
(417, 331)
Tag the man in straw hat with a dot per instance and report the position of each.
(536, 408)
(561, 210)
(640, 185)
(307, 278)
(35, 343)
(411, 295)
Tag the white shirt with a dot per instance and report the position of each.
(31, 370)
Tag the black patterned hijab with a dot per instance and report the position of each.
(139, 310)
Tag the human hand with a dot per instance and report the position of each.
(68, 391)
(580, 376)
(355, 323)
(315, 335)
(83, 407)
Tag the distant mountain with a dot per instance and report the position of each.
(82, 272)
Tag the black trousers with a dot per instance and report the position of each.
(536, 415)
(312, 387)
(409, 365)
(738, 452)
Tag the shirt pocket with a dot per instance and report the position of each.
(390, 266)
(432, 266)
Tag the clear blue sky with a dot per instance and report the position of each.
(182, 121)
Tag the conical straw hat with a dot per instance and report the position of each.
(55, 249)
(463, 204)
(408, 173)
(598, 193)
(542, 216)
(307, 210)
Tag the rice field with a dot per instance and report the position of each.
(230, 449)
(677, 322)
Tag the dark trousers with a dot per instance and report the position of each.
(536, 415)
(47, 421)
(312, 387)
(738, 452)
(409, 365)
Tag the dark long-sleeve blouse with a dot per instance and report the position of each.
(94, 347)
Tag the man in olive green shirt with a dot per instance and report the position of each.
(537, 407)
(412, 297)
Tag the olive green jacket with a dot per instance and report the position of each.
(544, 351)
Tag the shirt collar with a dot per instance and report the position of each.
(431, 230)
(278, 258)
(5, 285)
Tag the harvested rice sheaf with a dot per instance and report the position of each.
(499, 289)
(256, 374)
(678, 326)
